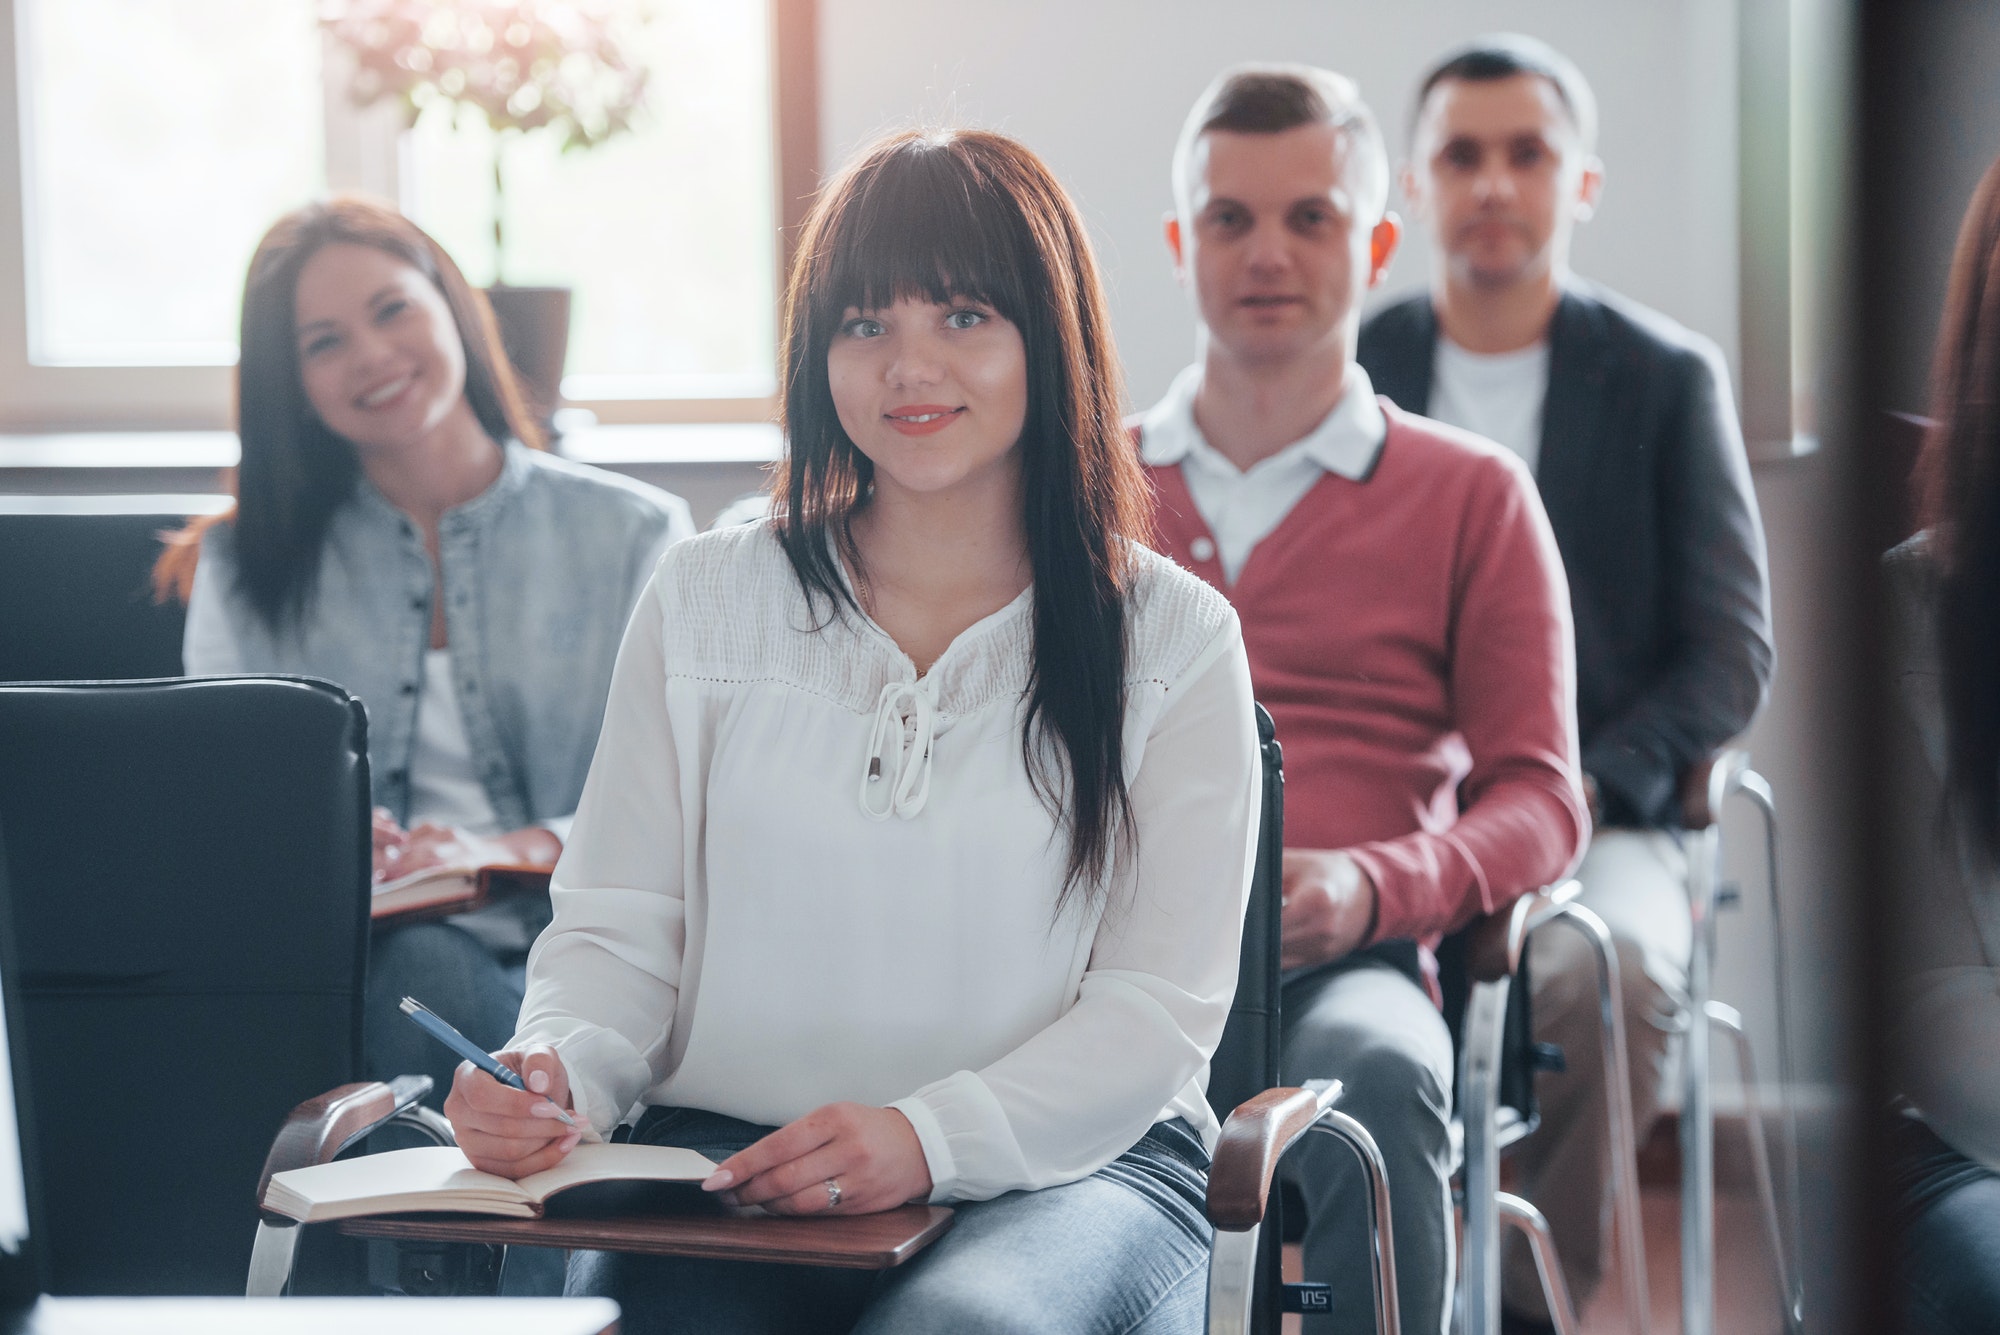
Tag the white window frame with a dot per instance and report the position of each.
(361, 154)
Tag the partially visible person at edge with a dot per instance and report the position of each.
(399, 531)
(913, 862)
(1407, 625)
(1944, 588)
(1627, 423)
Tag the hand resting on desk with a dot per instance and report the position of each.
(873, 1153)
(508, 1131)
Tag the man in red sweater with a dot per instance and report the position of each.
(1408, 626)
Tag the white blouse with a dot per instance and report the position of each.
(802, 874)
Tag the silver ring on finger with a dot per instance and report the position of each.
(832, 1192)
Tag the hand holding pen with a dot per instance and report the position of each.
(512, 1124)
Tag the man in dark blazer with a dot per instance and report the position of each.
(1626, 420)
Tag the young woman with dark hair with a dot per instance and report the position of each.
(397, 531)
(913, 861)
(1945, 590)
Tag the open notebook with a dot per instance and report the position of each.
(440, 1178)
(440, 891)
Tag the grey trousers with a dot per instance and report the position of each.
(1636, 880)
(1368, 1024)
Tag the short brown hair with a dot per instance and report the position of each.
(1269, 99)
(1506, 54)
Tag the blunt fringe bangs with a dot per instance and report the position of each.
(970, 215)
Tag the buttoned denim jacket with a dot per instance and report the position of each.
(539, 574)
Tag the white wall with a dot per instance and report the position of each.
(1099, 88)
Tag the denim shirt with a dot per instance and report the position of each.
(539, 573)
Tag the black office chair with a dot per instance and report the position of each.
(77, 602)
(189, 869)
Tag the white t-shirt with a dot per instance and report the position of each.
(801, 873)
(444, 785)
(1497, 395)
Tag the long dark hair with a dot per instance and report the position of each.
(294, 472)
(1959, 472)
(970, 215)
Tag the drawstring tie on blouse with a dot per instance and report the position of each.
(901, 787)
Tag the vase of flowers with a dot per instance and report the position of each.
(560, 67)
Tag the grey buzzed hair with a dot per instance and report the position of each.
(1268, 99)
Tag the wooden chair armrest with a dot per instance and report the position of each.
(1705, 786)
(1493, 950)
(1254, 1138)
(317, 1130)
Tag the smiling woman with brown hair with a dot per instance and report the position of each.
(912, 864)
(395, 532)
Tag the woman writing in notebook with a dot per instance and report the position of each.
(912, 862)
(396, 531)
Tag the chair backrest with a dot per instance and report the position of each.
(1246, 1061)
(188, 886)
(77, 604)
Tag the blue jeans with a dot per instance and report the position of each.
(1949, 1219)
(1123, 1250)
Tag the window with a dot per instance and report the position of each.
(666, 234)
(154, 140)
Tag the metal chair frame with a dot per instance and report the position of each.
(1486, 1135)
(372, 1107)
(1233, 1259)
(1729, 775)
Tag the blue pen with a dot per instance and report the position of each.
(428, 1021)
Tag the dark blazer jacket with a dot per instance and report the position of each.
(1646, 484)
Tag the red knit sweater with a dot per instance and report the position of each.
(1410, 635)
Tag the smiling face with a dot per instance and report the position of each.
(1274, 246)
(379, 354)
(935, 395)
(1499, 171)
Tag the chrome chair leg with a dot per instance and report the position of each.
(1381, 1231)
(1697, 1125)
(1754, 787)
(1697, 1120)
(1618, 1113)
(1730, 1021)
(271, 1260)
(1232, 1281)
(1479, 1101)
(1555, 1290)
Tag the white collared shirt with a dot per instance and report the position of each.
(1242, 507)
